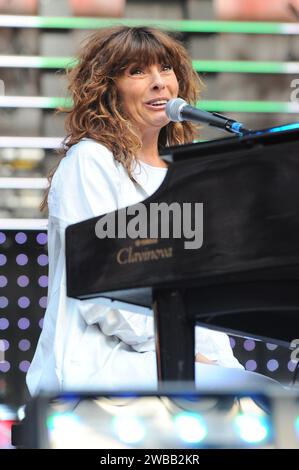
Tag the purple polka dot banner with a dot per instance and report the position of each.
(251, 365)
(23, 301)
(21, 238)
(3, 259)
(2, 238)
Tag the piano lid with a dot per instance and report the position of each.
(268, 136)
(249, 192)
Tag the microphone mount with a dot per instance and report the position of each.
(179, 110)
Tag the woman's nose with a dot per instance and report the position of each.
(158, 82)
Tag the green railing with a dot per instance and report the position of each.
(202, 66)
(184, 26)
(224, 106)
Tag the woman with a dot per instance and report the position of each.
(116, 127)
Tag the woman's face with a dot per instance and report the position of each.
(144, 92)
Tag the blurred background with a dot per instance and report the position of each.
(245, 51)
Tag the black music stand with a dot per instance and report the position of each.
(245, 277)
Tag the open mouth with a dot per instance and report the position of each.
(156, 104)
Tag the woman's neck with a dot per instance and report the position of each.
(149, 151)
(152, 160)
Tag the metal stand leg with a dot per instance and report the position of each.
(174, 337)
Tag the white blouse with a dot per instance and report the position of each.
(84, 345)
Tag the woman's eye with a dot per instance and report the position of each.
(167, 67)
(135, 71)
(140, 71)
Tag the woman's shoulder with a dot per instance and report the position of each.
(87, 159)
(89, 148)
(89, 155)
(87, 170)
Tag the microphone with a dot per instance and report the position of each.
(179, 110)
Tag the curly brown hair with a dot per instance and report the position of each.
(96, 110)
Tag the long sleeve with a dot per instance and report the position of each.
(86, 185)
(215, 345)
